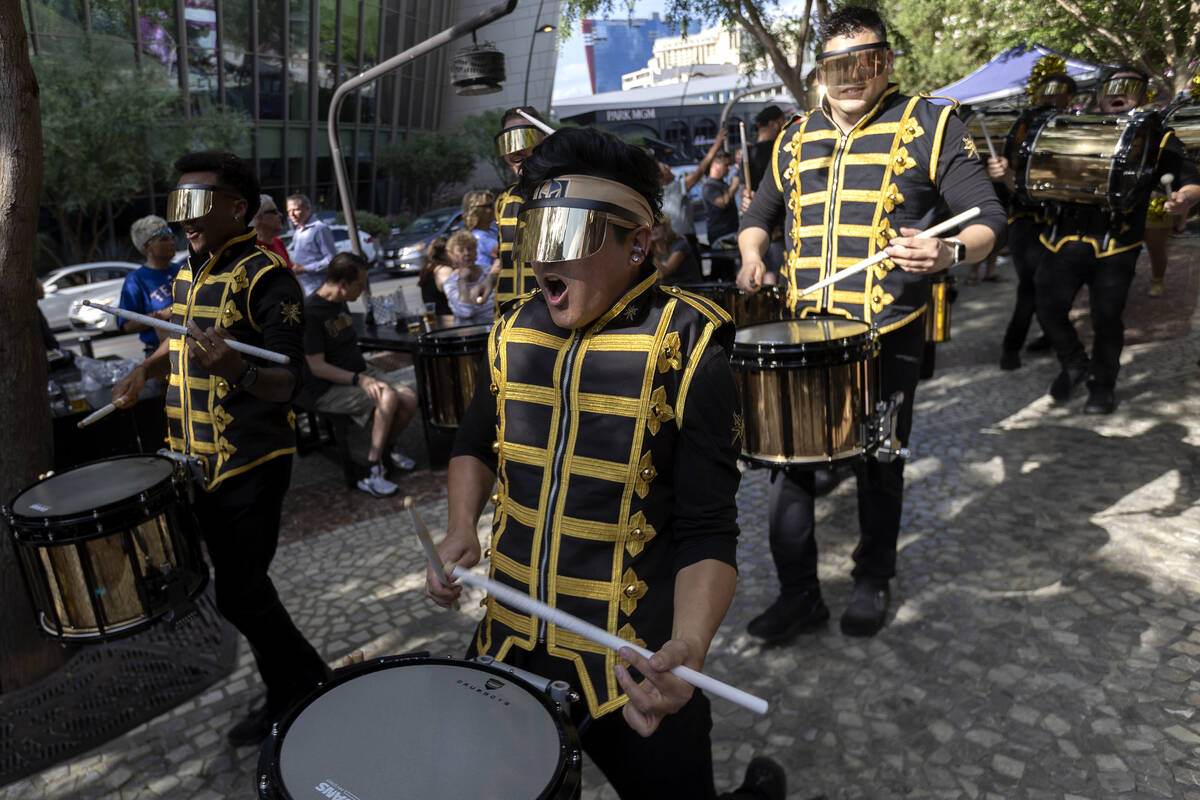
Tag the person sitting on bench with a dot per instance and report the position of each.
(338, 380)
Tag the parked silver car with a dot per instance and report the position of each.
(100, 281)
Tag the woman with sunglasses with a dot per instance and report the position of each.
(147, 290)
(268, 222)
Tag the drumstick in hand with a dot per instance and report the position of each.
(928, 233)
(519, 600)
(986, 138)
(179, 330)
(96, 415)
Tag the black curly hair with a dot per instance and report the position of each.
(587, 151)
(231, 170)
(850, 20)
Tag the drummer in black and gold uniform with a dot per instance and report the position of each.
(1087, 244)
(1026, 221)
(864, 172)
(233, 413)
(607, 410)
(514, 143)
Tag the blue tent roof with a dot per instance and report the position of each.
(1006, 74)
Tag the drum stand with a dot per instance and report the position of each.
(888, 448)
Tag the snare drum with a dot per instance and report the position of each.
(449, 360)
(418, 727)
(766, 305)
(1095, 159)
(809, 389)
(937, 312)
(107, 548)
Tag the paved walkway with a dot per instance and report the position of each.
(1044, 639)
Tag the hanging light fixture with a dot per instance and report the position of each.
(478, 69)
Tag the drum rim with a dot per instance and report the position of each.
(862, 339)
(456, 333)
(268, 772)
(23, 521)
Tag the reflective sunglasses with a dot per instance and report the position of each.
(189, 201)
(1125, 85)
(563, 233)
(517, 138)
(849, 65)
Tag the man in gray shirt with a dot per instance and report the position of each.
(676, 205)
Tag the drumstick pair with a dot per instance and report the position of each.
(554, 616)
(179, 330)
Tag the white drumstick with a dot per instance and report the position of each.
(179, 330)
(986, 138)
(928, 233)
(97, 415)
(537, 123)
(426, 540)
(554, 616)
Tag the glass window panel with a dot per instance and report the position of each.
(298, 28)
(270, 91)
(157, 31)
(112, 18)
(298, 89)
(270, 27)
(239, 80)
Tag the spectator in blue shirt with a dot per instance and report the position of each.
(312, 244)
(147, 290)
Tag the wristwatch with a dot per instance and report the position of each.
(960, 250)
(248, 377)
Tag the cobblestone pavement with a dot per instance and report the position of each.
(1044, 640)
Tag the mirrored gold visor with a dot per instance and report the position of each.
(518, 137)
(562, 233)
(192, 201)
(853, 65)
(1127, 85)
(1053, 88)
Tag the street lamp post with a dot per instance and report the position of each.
(533, 38)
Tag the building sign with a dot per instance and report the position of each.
(628, 114)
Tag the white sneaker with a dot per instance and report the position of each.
(401, 461)
(375, 484)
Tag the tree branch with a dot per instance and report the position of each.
(1076, 11)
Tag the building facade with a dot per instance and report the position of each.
(279, 61)
(616, 46)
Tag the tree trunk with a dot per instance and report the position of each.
(25, 430)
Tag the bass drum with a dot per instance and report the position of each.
(809, 389)
(1095, 159)
(765, 305)
(448, 361)
(418, 727)
(107, 548)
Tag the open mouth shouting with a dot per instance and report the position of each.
(555, 288)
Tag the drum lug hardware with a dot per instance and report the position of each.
(889, 448)
(560, 692)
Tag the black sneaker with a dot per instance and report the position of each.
(867, 610)
(1101, 400)
(1065, 383)
(789, 615)
(765, 779)
(252, 730)
(1010, 360)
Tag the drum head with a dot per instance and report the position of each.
(461, 332)
(801, 331)
(422, 730)
(91, 486)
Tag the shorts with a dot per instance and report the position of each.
(353, 401)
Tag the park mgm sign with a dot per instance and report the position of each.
(628, 114)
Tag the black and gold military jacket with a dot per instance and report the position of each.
(514, 279)
(230, 430)
(842, 197)
(591, 426)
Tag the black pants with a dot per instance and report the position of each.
(1027, 252)
(880, 486)
(1059, 278)
(240, 524)
(674, 761)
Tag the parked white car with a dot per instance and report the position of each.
(99, 281)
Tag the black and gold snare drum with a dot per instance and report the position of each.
(809, 390)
